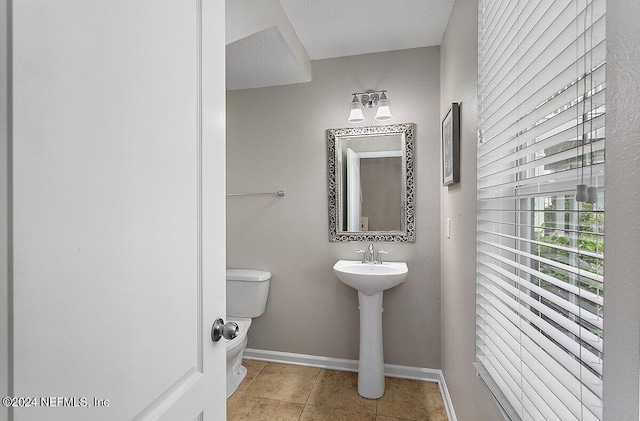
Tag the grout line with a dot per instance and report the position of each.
(377, 400)
(254, 377)
(306, 402)
(249, 381)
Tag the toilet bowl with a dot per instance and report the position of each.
(247, 291)
(236, 372)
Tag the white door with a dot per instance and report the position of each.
(118, 209)
(354, 193)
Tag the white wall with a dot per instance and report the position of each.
(459, 69)
(622, 266)
(276, 140)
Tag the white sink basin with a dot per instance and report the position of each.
(371, 278)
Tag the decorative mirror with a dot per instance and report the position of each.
(371, 183)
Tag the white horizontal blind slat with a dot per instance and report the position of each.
(545, 140)
(540, 253)
(533, 61)
(559, 265)
(498, 127)
(504, 343)
(571, 289)
(537, 184)
(590, 318)
(570, 326)
(541, 243)
(540, 324)
(505, 130)
(535, 138)
(567, 228)
(567, 369)
(563, 57)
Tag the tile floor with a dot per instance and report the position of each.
(282, 392)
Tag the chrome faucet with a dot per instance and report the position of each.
(370, 256)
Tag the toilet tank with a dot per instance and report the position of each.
(247, 291)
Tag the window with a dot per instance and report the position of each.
(540, 260)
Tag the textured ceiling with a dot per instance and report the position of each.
(336, 28)
(262, 59)
(271, 42)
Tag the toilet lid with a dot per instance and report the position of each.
(248, 275)
(243, 328)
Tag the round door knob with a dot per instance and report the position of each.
(230, 330)
(220, 330)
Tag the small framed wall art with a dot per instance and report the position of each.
(451, 145)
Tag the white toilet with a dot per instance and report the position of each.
(247, 291)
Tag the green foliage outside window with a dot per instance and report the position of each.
(585, 233)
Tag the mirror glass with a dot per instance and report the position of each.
(371, 192)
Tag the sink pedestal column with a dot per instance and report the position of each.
(371, 366)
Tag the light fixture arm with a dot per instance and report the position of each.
(369, 98)
(370, 91)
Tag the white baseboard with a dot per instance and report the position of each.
(448, 404)
(390, 370)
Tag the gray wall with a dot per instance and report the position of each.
(5, 367)
(622, 266)
(459, 74)
(471, 399)
(276, 141)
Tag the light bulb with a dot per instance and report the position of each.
(356, 115)
(384, 112)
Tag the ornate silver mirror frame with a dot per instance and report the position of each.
(407, 233)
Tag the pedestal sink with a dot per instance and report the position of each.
(371, 280)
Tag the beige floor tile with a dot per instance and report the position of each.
(384, 418)
(232, 400)
(339, 389)
(412, 400)
(323, 413)
(259, 409)
(283, 382)
(253, 368)
(436, 405)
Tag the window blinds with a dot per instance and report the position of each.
(540, 259)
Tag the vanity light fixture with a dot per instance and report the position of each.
(369, 99)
